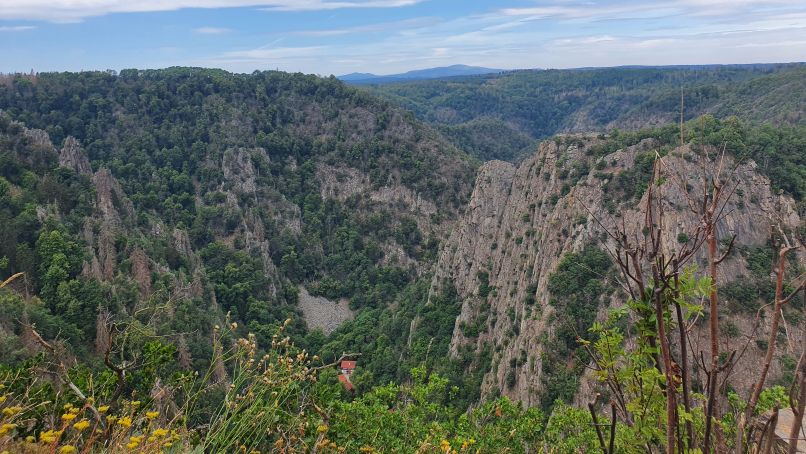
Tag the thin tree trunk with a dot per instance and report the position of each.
(770, 434)
(611, 446)
(796, 433)
(797, 426)
(713, 321)
(598, 428)
(771, 344)
(671, 391)
(684, 371)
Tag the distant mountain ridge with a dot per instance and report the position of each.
(505, 115)
(418, 74)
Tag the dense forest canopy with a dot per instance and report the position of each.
(237, 165)
(158, 227)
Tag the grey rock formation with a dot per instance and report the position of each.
(321, 313)
(521, 220)
(73, 157)
(39, 138)
(239, 170)
(111, 202)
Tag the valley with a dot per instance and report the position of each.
(452, 236)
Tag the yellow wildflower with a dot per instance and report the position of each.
(321, 429)
(167, 445)
(67, 449)
(125, 421)
(135, 403)
(11, 411)
(6, 428)
(136, 439)
(445, 445)
(152, 414)
(2, 399)
(103, 409)
(132, 445)
(50, 436)
(81, 425)
(69, 416)
(30, 439)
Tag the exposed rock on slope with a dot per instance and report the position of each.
(521, 220)
(321, 313)
(111, 201)
(73, 157)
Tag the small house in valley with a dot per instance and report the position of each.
(347, 368)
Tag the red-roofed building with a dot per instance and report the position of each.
(345, 381)
(347, 367)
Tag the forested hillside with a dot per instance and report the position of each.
(165, 236)
(518, 108)
(205, 193)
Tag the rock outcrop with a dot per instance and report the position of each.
(113, 214)
(398, 201)
(38, 138)
(73, 157)
(141, 272)
(111, 202)
(521, 221)
(321, 313)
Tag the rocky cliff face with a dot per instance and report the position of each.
(522, 220)
(394, 200)
(73, 157)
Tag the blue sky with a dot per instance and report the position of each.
(390, 36)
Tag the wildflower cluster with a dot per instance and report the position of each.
(85, 428)
(267, 406)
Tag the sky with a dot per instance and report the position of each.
(391, 36)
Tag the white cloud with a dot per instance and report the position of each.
(546, 11)
(76, 10)
(440, 51)
(16, 28)
(273, 53)
(403, 25)
(292, 59)
(318, 5)
(583, 41)
(212, 30)
(580, 10)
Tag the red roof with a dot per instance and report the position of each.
(348, 365)
(346, 382)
